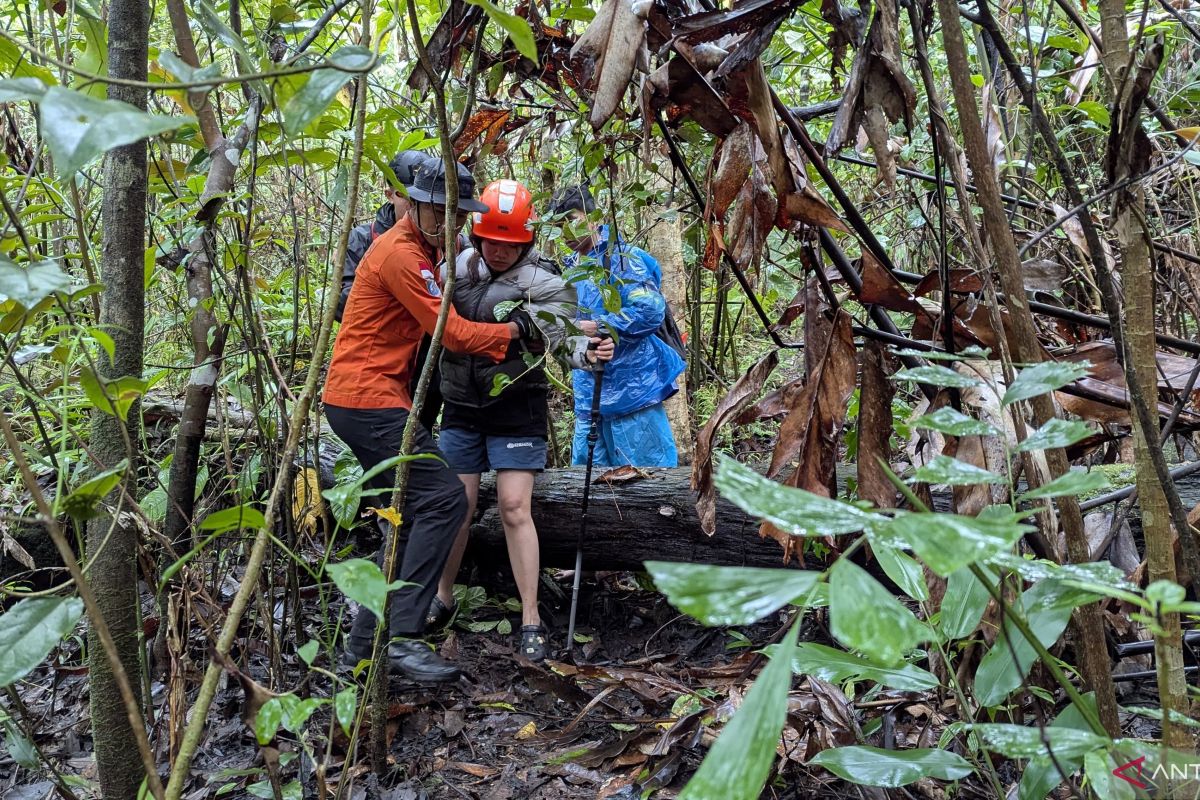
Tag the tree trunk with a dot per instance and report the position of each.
(1089, 629)
(112, 539)
(665, 243)
(1129, 207)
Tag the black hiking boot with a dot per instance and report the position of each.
(411, 660)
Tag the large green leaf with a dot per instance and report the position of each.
(901, 568)
(16, 62)
(1041, 775)
(1101, 770)
(1020, 741)
(13, 90)
(835, 666)
(516, 27)
(84, 500)
(94, 58)
(873, 766)
(30, 629)
(729, 595)
(212, 23)
(963, 604)
(1043, 378)
(243, 517)
(113, 397)
(1072, 482)
(1055, 433)
(346, 497)
(949, 542)
(937, 375)
(864, 616)
(29, 284)
(738, 763)
(363, 582)
(321, 88)
(952, 472)
(1047, 607)
(795, 511)
(955, 423)
(77, 128)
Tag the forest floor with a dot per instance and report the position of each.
(628, 714)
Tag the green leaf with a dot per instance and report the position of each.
(1055, 433)
(85, 498)
(343, 707)
(729, 595)
(952, 472)
(795, 511)
(1019, 741)
(1072, 482)
(836, 666)
(738, 763)
(94, 58)
(113, 397)
(243, 517)
(517, 28)
(296, 711)
(13, 90)
(78, 128)
(937, 375)
(873, 766)
(865, 617)
(955, 423)
(363, 582)
(308, 651)
(971, 351)
(268, 720)
(15, 62)
(1042, 775)
(215, 26)
(965, 601)
(1163, 592)
(1047, 606)
(901, 568)
(20, 747)
(30, 284)
(1043, 378)
(948, 542)
(321, 88)
(504, 308)
(1098, 766)
(30, 629)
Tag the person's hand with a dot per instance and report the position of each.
(588, 327)
(526, 329)
(601, 349)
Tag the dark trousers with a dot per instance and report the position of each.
(434, 509)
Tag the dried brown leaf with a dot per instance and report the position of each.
(738, 397)
(875, 426)
(611, 47)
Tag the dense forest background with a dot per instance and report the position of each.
(936, 265)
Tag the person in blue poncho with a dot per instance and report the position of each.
(634, 428)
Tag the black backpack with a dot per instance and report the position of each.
(669, 333)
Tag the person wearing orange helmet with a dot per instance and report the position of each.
(495, 415)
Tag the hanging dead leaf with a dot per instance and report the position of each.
(607, 53)
(307, 503)
(961, 280)
(809, 207)
(751, 220)
(814, 423)
(1084, 70)
(875, 426)
(487, 123)
(794, 309)
(454, 30)
(772, 405)
(735, 159)
(880, 287)
(738, 397)
(877, 92)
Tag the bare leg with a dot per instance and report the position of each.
(514, 491)
(445, 590)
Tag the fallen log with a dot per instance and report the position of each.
(629, 522)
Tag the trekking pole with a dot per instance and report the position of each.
(592, 437)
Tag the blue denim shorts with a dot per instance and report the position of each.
(469, 452)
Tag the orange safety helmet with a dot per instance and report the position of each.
(509, 217)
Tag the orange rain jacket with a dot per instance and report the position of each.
(395, 300)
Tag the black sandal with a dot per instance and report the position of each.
(439, 615)
(533, 642)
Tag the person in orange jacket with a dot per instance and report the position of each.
(394, 301)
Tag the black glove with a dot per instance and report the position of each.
(527, 330)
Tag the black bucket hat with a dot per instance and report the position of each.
(430, 186)
(405, 165)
